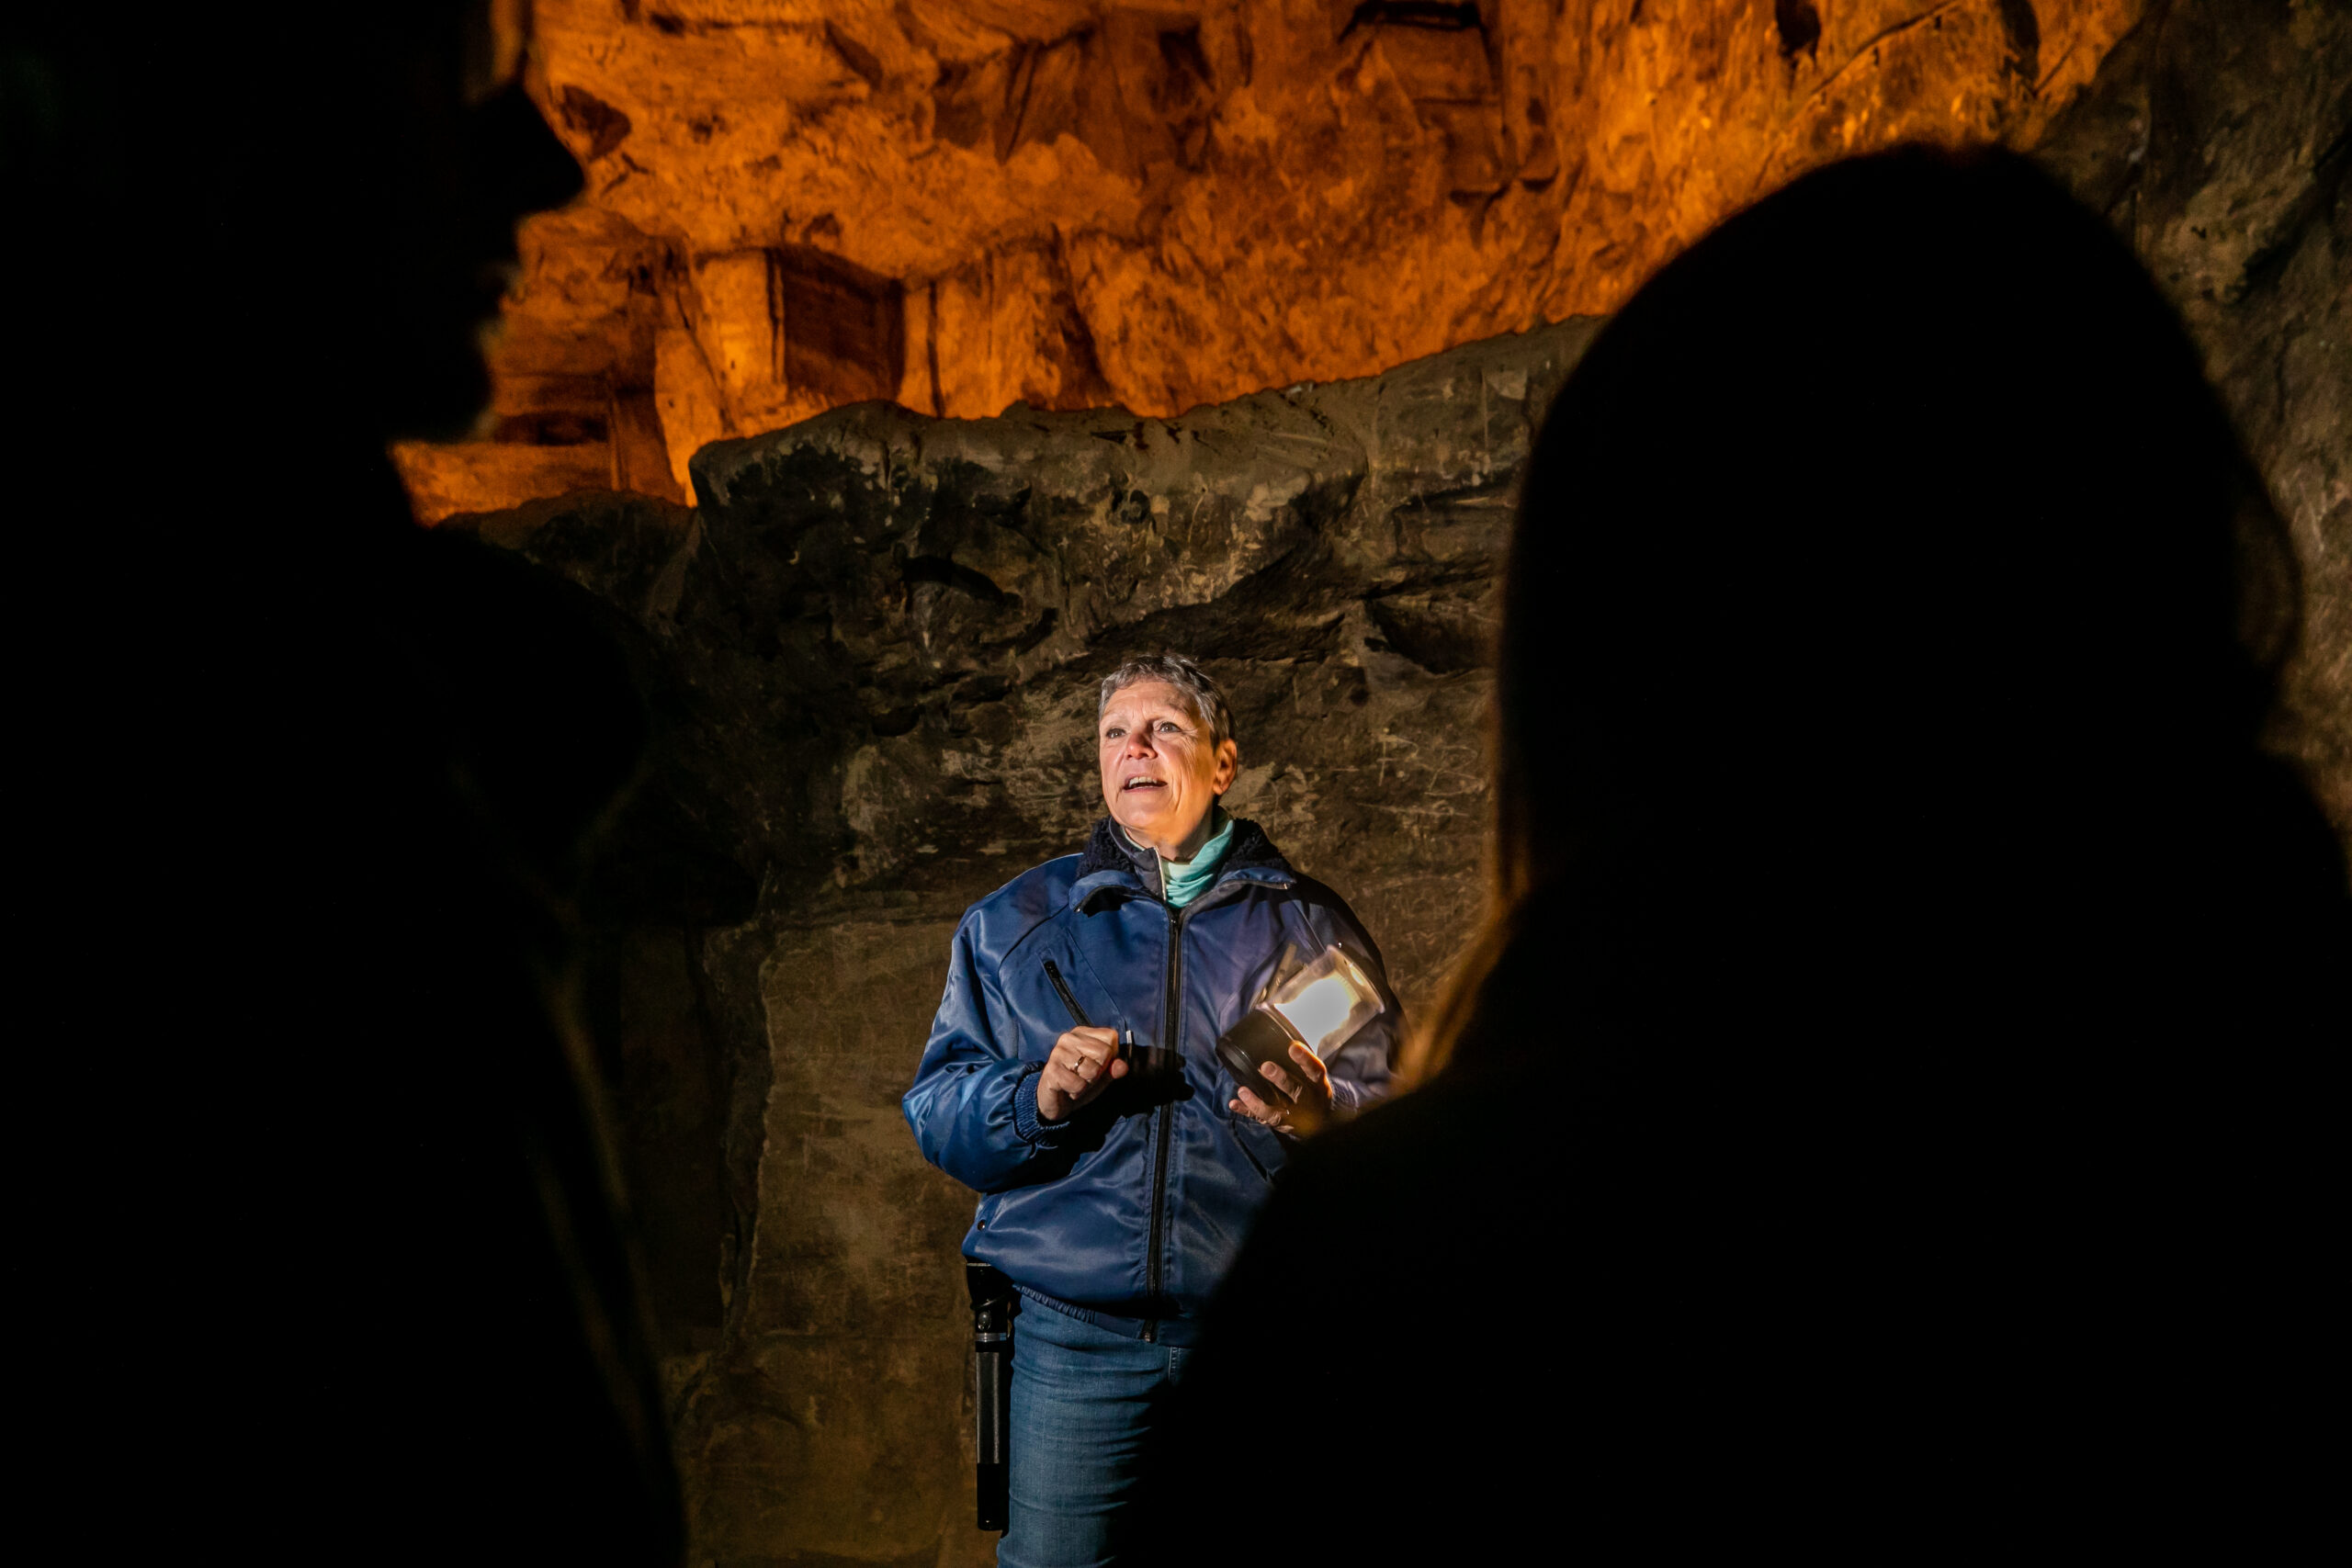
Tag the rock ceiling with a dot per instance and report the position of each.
(796, 203)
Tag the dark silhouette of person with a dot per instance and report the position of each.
(1894, 1101)
(320, 1240)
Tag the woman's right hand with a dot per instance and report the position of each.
(1082, 1065)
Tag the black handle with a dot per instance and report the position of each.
(994, 1303)
(994, 1407)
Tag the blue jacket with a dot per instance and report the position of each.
(1128, 1213)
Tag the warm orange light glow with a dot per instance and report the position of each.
(794, 204)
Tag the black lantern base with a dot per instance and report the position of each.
(1258, 1039)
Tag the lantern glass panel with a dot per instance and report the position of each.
(1326, 1003)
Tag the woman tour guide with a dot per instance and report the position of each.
(1070, 1080)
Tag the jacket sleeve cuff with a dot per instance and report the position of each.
(1032, 1128)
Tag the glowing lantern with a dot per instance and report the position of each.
(1320, 1006)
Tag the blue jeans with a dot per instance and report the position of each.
(1082, 1399)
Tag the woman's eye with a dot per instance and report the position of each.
(1113, 734)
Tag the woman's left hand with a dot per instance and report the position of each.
(1308, 1109)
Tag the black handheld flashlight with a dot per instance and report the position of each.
(995, 1302)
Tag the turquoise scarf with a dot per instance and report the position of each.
(1179, 884)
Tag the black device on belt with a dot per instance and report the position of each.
(995, 1304)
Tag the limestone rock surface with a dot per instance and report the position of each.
(797, 204)
(872, 650)
(2216, 140)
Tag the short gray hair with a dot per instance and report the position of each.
(1201, 694)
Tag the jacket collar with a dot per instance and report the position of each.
(1106, 871)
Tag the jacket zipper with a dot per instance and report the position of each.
(1165, 1116)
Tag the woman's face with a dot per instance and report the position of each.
(1160, 775)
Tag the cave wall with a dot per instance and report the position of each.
(870, 652)
(798, 204)
(2216, 140)
(874, 649)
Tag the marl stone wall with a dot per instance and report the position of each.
(873, 653)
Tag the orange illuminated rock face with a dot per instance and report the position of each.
(796, 203)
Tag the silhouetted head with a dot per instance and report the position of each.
(281, 219)
(1892, 612)
(447, 155)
